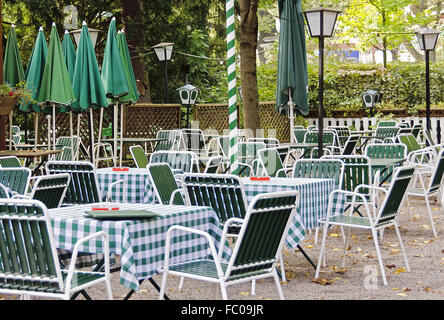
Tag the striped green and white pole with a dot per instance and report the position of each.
(231, 63)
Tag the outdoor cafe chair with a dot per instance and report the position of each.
(410, 142)
(271, 163)
(224, 193)
(83, 186)
(247, 158)
(430, 189)
(375, 219)
(49, 189)
(385, 151)
(319, 168)
(214, 164)
(187, 161)
(193, 140)
(348, 148)
(256, 251)
(298, 134)
(69, 145)
(139, 156)
(383, 133)
(387, 123)
(10, 162)
(172, 140)
(416, 129)
(30, 264)
(16, 180)
(164, 184)
(342, 134)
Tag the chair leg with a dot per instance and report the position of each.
(181, 283)
(282, 267)
(162, 286)
(321, 253)
(402, 246)
(278, 285)
(253, 287)
(316, 235)
(429, 210)
(108, 288)
(408, 206)
(223, 290)
(378, 253)
(345, 246)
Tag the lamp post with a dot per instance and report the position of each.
(163, 51)
(188, 96)
(321, 22)
(427, 39)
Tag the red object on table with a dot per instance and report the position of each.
(104, 209)
(260, 178)
(120, 169)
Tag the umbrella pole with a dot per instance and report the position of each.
(36, 130)
(71, 132)
(291, 115)
(10, 131)
(78, 131)
(99, 135)
(49, 131)
(91, 135)
(121, 135)
(116, 114)
(53, 125)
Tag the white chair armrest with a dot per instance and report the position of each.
(194, 231)
(76, 251)
(111, 185)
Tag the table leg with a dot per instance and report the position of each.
(306, 256)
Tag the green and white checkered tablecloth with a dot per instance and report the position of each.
(136, 181)
(140, 243)
(313, 201)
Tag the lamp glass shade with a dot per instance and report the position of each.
(427, 38)
(93, 33)
(316, 17)
(188, 94)
(163, 51)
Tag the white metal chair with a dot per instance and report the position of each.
(31, 267)
(256, 250)
(374, 220)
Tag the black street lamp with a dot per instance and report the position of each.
(427, 39)
(163, 51)
(321, 23)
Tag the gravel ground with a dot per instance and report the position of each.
(357, 281)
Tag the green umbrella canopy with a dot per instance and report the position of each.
(87, 84)
(113, 72)
(56, 87)
(133, 95)
(34, 71)
(292, 58)
(12, 67)
(69, 53)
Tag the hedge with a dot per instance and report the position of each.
(402, 85)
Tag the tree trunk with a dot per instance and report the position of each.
(248, 46)
(135, 31)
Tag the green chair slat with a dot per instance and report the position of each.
(262, 234)
(319, 168)
(224, 193)
(10, 162)
(271, 162)
(83, 187)
(387, 123)
(183, 160)
(387, 132)
(386, 151)
(51, 189)
(436, 179)
(299, 134)
(16, 179)
(139, 156)
(164, 183)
